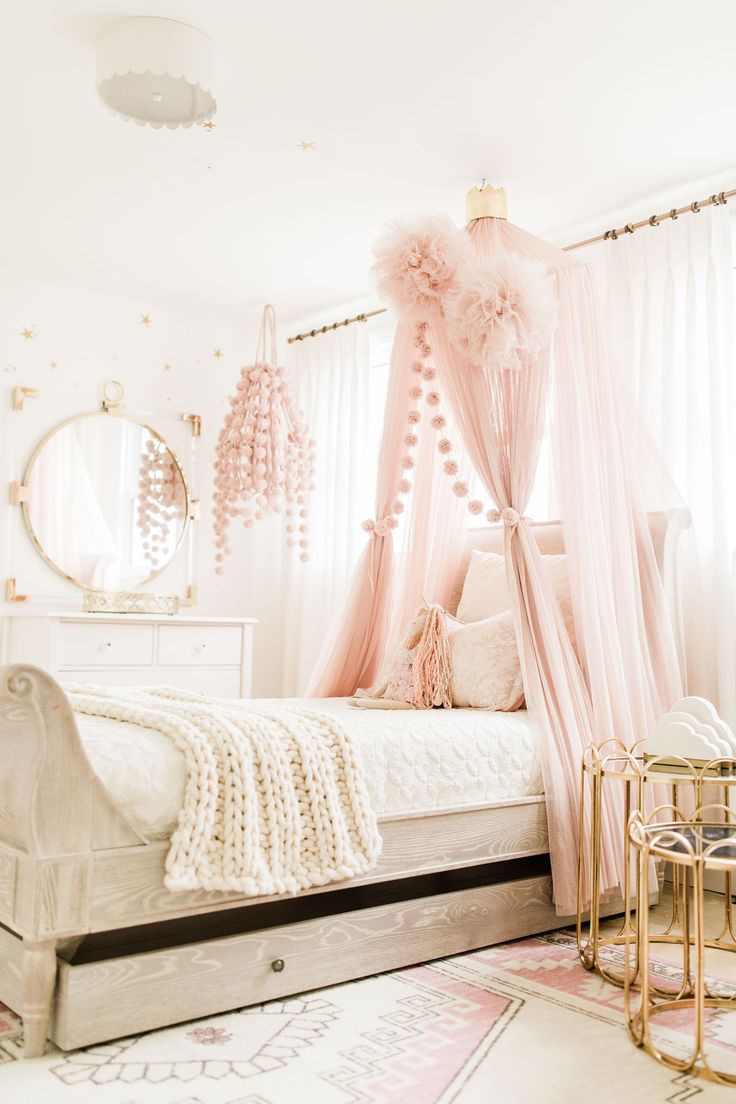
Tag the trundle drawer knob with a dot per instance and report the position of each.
(277, 965)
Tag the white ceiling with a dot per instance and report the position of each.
(578, 108)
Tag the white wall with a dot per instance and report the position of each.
(94, 335)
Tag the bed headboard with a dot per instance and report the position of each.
(666, 527)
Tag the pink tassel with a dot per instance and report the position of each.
(432, 664)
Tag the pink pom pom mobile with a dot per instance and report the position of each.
(264, 454)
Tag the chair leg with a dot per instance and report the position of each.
(39, 980)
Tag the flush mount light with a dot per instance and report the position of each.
(157, 72)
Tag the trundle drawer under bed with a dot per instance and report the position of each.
(109, 997)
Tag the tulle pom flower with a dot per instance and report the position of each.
(475, 506)
(383, 527)
(438, 422)
(460, 488)
(407, 463)
(510, 517)
(415, 393)
(450, 467)
(411, 440)
(433, 398)
(493, 516)
(415, 265)
(502, 313)
(369, 525)
(444, 446)
(414, 416)
(404, 486)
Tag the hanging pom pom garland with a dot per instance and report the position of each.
(264, 458)
(445, 447)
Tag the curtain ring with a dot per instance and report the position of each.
(714, 199)
(695, 207)
(722, 198)
(628, 228)
(673, 214)
(654, 220)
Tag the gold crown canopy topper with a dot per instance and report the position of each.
(486, 202)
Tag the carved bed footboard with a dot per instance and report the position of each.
(53, 815)
(51, 802)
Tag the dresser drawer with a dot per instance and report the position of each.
(83, 644)
(199, 645)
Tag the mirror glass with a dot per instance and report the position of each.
(107, 501)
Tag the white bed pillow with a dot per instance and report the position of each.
(486, 673)
(485, 592)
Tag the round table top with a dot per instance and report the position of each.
(687, 842)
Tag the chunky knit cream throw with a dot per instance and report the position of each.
(275, 800)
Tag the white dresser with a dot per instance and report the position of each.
(209, 654)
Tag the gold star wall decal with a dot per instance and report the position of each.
(304, 146)
(145, 320)
(53, 364)
(209, 125)
(167, 367)
(27, 334)
(217, 354)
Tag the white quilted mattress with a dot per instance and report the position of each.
(415, 761)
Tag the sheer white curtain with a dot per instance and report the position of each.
(670, 293)
(340, 381)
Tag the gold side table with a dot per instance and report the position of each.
(605, 767)
(706, 842)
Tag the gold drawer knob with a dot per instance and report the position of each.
(277, 965)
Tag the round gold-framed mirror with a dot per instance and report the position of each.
(107, 501)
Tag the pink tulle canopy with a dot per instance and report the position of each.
(499, 343)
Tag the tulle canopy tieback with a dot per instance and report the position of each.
(501, 313)
(509, 516)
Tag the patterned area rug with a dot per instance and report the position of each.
(513, 1024)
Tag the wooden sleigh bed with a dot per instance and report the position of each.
(93, 947)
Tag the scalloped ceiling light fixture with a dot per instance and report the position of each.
(157, 72)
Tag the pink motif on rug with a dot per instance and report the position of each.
(209, 1036)
(475, 1029)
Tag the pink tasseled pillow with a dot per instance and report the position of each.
(419, 670)
(442, 662)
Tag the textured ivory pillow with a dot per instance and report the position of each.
(485, 592)
(486, 673)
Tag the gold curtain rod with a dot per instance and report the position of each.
(336, 325)
(715, 200)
